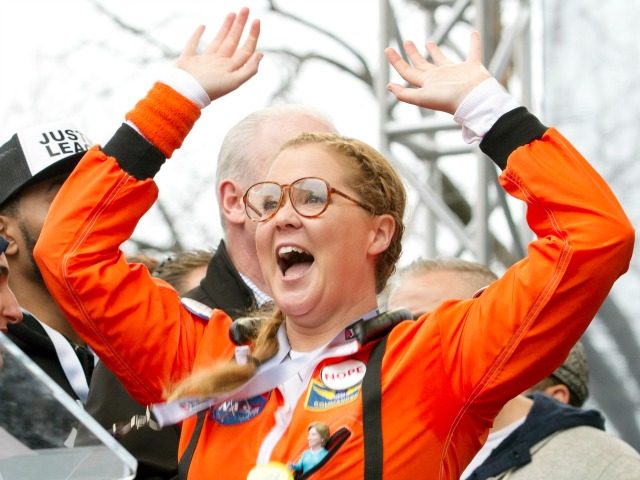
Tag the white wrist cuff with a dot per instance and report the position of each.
(481, 109)
(186, 85)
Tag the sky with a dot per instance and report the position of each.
(70, 35)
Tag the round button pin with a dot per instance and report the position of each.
(343, 375)
(270, 471)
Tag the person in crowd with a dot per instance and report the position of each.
(34, 163)
(184, 270)
(569, 383)
(10, 312)
(328, 235)
(534, 436)
(232, 281)
(423, 284)
(148, 261)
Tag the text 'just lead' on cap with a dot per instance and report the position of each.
(37, 153)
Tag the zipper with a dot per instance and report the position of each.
(333, 445)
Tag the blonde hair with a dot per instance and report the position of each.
(379, 187)
(226, 377)
(376, 183)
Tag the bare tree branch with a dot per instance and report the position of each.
(304, 57)
(167, 51)
(366, 73)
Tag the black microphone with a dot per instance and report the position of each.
(378, 326)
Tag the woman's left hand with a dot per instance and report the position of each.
(441, 85)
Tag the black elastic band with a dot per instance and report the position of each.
(371, 413)
(187, 456)
(135, 155)
(512, 130)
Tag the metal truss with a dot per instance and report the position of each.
(443, 211)
(447, 217)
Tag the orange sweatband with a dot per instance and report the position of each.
(164, 117)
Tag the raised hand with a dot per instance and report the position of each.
(441, 85)
(223, 66)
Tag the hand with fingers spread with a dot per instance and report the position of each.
(223, 65)
(441, 84)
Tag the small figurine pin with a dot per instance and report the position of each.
(317, 436)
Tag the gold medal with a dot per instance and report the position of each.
(270, 471)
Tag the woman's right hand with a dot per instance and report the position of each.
(223, 66)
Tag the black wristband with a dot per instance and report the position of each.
(134, 153)
(512, 130)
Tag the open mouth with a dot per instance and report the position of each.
(294, 261)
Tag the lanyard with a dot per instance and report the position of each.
(270, 375)
(265, 380)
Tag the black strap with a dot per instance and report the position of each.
(187, 456)
(371, 413)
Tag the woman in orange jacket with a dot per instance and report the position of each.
(416, 404)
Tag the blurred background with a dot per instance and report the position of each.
(573, 63)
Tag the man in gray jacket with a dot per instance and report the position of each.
(544, 435)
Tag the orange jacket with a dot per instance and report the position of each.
(444, 376)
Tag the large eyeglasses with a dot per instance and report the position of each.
(309, 197)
